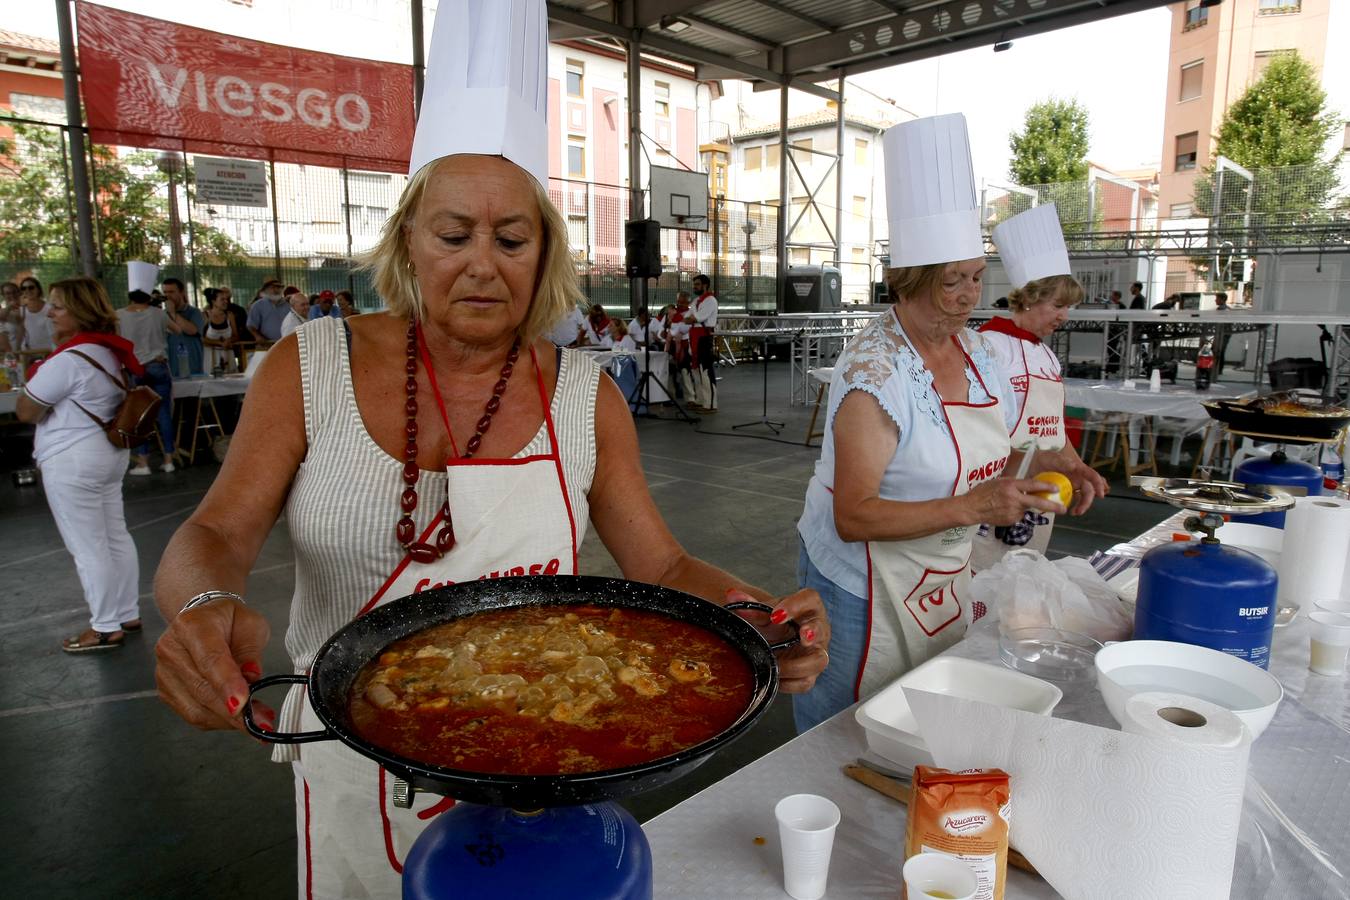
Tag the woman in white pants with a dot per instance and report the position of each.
(67, 396)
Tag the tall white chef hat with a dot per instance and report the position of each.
(487, 84)
(930, 192)
(142, 276)
(1031, 245)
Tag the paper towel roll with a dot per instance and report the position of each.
(1186, 720)
(1103, 813)
(1316, 542)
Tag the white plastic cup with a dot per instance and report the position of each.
(930, 875)
(806, 824)
(1155, 381)
(1339, 607)
(1330, 642)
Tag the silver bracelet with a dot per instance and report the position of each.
(207, 596)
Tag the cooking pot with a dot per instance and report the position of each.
(342, 657)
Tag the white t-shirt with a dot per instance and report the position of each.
(146, 329)
(291, 322)
(37, 329)
(680, 330)
(63, 381)
(705, 311)
(624, 343)
(564, 334)
(654, 327)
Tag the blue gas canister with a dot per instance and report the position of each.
(1203, 593)
(1281, 471)
(473, 852)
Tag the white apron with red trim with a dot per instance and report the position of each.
(511, 517)
(916, 588)
(1041, 424)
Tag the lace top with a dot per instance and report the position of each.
(881, 362)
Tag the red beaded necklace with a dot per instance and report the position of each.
(406, 530)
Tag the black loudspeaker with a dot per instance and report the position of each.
(642, 242)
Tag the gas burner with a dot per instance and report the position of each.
(1218, 497)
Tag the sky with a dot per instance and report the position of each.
(1116, 67)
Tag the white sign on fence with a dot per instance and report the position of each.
(230, 182)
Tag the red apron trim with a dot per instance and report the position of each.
(309, 854)
(459, 461)
(867, 645)
(388, 830)
(398, 570)
(436, 809)
(557, 460)
(1026, 368)
(957, 447)
(955, 599)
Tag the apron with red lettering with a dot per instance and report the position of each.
(1041, 425)
(915, 588)
(511, 517)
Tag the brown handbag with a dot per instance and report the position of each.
(133, 422)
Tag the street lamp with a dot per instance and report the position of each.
(171, 163)
(749, 228)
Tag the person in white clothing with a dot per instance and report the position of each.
(11, 316)
(644, 329)
(299, 313)
(1032, 248)
(68, 397)
(703, 344)
(617, 337)
(569, 329)
(36, 334)
(916, 438)
(475, 270)
(677, 345)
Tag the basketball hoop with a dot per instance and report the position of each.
(689, 222)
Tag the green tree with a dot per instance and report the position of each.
(37, 210)
(1052, 146)
(1278, 129)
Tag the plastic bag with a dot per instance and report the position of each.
(1030, 591)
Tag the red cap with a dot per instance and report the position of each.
(290, 289)
(326, 295)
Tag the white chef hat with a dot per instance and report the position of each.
(142, 276)
(930, 192)
(487, 84)
(1031, 245)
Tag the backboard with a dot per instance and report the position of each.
(679, 198)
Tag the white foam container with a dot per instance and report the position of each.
(891, 729)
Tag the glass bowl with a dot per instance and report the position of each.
(1049, 653)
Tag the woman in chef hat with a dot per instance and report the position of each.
(1032, 248)
(498, 453)
(916, 438)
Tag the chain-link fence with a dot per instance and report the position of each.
(315, 223)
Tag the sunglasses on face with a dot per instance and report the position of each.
(28, 287)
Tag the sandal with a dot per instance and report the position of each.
(106, 640)
(132, 627)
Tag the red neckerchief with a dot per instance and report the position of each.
(1004, 325)
(701, 297)
(120, 347)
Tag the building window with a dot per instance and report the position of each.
(860, 207)
(576, 158)
(1262, 58)
(772, 156)
(753, 155)
(1192, 76)
(1278, 7)
(859, 152)
(576, 77)
(799, 256)
(663, 158)
(1180, 211)
(1186, 151)
(577, 235)
(663, 99)
(1196, 15)
(804, 144)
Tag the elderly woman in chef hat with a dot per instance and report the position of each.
(916, 440)
(1032, 248)
(385, 498)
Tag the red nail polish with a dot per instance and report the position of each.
(251, 670)
(779, 616)
(232, 705)
(809, 635)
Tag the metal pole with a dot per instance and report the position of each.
(783, 209)
(347, 215)
(418, 55)
(276, 225)
(637, 287)
(84, 212)
(839, 183)
(70, 211)
(1215, 226)
(192, 231)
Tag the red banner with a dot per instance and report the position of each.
(151, 83)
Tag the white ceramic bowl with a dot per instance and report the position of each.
(891, 729)
(1132, 667)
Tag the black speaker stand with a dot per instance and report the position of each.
(764, 420)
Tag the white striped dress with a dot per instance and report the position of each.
(344, 499)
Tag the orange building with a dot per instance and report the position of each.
(30, 78)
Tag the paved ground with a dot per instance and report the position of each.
(104, 793)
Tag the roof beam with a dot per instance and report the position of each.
(708, 26)
(943, 28)
(649, 13)
(684, 52)
(819, 24)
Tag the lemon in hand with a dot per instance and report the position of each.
(1060, 489)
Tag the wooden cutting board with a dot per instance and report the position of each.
(898, 791)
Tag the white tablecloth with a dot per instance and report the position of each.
(1179, 401)
(182, 387)
(1299, 778)
(660, 368)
